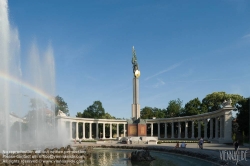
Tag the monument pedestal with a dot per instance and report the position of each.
(137, 129)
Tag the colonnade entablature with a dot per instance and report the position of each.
(91, 120)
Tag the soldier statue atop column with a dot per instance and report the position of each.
(134, 60)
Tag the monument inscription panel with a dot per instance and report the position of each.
(132, 130)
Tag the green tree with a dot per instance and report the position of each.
(147, 113)
(60, 104)
(193, 107)
(158, 113)
(243, 115)
(108, 116)
(37, 104)
(94, 111)
(174, 108)
(79, 115)
(213, 101)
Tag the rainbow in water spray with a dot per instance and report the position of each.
(38, 91)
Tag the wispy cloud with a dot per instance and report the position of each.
(188, 73)
(159, 83)
(164, 71)
(246, 36)
(90, 78)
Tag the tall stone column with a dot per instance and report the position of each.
(136, 74)
(152, 129)
(110, 130)
(97, 131)
(166, 130)
(136, 105)
(211, 128)
(117, 130)
(70, 129)
(159, 132)
(192, 130)
(186, 129)
(179, 130)
(83, 130)
(90, 130)
(103, 131)
(172, 131)
(77, 136)
(205, 129)
(216, 128)
(124, 129)
(199, 129)
(221, 127)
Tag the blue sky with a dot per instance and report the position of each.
(185, 49)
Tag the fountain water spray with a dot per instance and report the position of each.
(35, 126)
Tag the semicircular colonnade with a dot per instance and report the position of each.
(220, 126)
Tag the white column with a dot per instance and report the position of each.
(186, 129)
(199, 129)
(179, 130)
(211, 128)
(97, 130)
(83, 130)
(172, 131)
(223, 124)
(192, 130)
(77, 136)
(152, 128)
(221, 127)
(205, 129)
(159, 132)
(124, 129)
(103, 131)
(90, 130)
(117, 130)
(166, 130)
(59, 126)
(70, 129)
(110, 130)
(216, 128)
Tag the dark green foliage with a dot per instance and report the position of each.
(174, 108)
(149, 113)
(94, 111)
(60, 104)
(243, 115)
(193, 107)
(213, 101)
